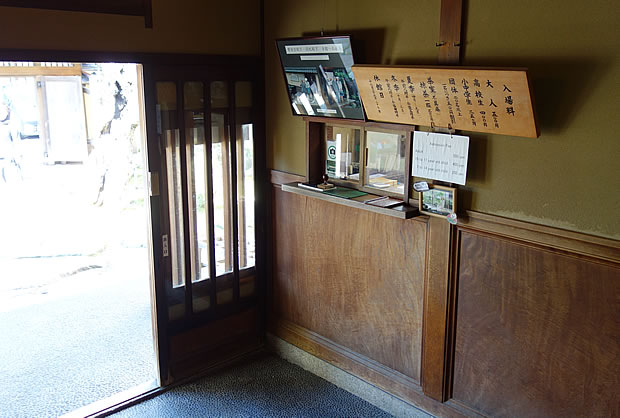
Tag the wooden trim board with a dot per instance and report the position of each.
(577, 243)
(12, 69)
(436, 308)
(281, 177)
(126, 7)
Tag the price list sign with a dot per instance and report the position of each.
(483, 100)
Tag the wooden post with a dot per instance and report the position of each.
(315, 160)
(450, 32)
(439, 286)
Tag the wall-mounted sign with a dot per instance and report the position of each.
(483, 100)
(318, 77)
(331, 164)
(440, 157)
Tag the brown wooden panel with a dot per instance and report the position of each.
(380, 376)
(436, 308)
(351, 276)
(537, 331)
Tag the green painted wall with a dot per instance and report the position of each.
(570, 176)
(179, 26)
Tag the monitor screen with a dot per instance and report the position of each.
(319, 78)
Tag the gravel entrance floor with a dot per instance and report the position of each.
(76, 339)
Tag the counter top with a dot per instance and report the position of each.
(402, 211)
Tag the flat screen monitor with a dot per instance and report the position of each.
(319, 78)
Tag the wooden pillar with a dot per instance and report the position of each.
(450, 32)
(439, 280)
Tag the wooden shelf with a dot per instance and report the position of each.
(403, 212)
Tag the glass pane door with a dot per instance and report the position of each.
(174, 242)
(210, 191)
(245, 186)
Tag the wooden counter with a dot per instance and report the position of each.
(401, 212)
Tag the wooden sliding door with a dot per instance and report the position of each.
(209, 132)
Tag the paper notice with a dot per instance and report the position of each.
(440, 157)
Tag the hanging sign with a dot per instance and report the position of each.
(440, 157)
(482, 100)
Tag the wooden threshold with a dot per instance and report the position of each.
(118, 401)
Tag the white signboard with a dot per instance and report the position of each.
(440, 157)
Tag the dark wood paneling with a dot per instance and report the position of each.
(351, 276)
(315, 157)
(537, 331)
(436, 307)
(369, 370)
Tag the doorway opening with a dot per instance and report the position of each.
(75, 261)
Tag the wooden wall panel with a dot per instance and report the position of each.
(537, 331)
(437, 308)
(351, 276)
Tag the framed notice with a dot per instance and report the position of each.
(319, 77)
(474, 99)
(438, 201)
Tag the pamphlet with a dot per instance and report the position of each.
(310, 186)
(385, 202)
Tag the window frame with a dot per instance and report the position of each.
(364, 127)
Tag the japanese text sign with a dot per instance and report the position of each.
(483, 100)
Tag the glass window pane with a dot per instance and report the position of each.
(219, 94)
(343, 152)
(385, 163)
(220, 157)
(197, 179)
(167, 127)
(177, 248)
(245, 174)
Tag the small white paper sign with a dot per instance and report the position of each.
(440, 156)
